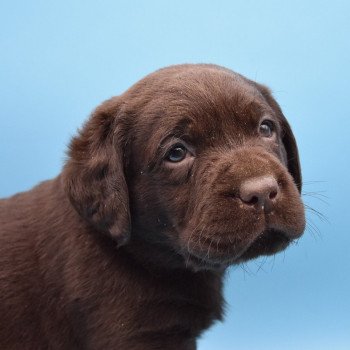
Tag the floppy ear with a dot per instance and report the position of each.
(288, 138)
(94, 173)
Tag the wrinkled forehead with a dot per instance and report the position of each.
(201, 109)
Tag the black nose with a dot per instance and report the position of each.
(260, 192)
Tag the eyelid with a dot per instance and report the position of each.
(270, 123)
(172, 147)
(274, 123)
(175, 141)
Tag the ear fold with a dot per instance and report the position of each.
(94, 173)
(288, 138)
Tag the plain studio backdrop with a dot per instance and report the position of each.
(58, 60)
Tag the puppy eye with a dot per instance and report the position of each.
(267, 128)
(177, 153)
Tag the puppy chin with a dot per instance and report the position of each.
(197, 263)
(213, 257)
(269, 242)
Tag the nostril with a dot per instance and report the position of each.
(273, 195)
(252, 201)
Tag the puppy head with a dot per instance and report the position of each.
(205, 160)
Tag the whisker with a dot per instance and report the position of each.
(319, 215)
(273, 262)
(307, 183)
(199, 239)
(245, 269)
(316, 193)
(313, 229)
(319, 196)
(217, 245)
(261, 264)
(208, 250)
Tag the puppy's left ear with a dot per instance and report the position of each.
(288, 138)
(94, 173)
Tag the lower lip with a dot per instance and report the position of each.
(266, 244)
(269, 242)
(200, 263)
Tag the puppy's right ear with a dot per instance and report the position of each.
(94, 173)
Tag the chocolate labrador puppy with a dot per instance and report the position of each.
(191, 170)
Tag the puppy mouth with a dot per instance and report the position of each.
(270, 242)
(216, 255)
(198, 263)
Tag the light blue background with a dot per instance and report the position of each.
(59, 59)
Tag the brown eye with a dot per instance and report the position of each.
(177, 153)
(267, 128)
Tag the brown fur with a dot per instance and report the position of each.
(126, 250)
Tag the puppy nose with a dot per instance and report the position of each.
(260, 192)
